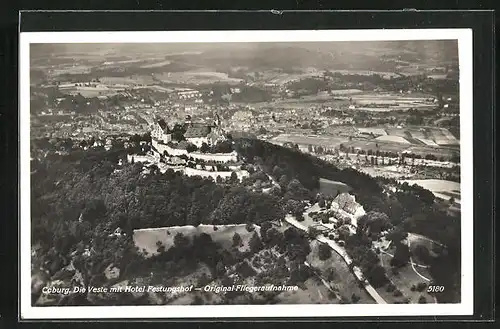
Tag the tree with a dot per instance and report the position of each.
(191, 148)
(373, 222)
(422, 300)
(313, 232)
(422, 254)
(204, 148)
(421, 286)
(249, 227)
(401, 256)
(344, 232)
(255, 243)
(324, 252)
(181, 241)
(321, 201)
(376, 276)
(236, 240)
(233, 178)
(264, 227)
(396, 235)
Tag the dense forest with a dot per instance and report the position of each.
(80, 198)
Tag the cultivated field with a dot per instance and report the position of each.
(443, 136)
(146, 239)
(130, 80)
(196, 77)
(382, 145)
(392, 102)
(325, 141)
(157, 64)
(74, 69)
(392, 139)
(368, 73)
(374, 131)
(88, 92)
(345, 91)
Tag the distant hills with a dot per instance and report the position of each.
(320, 55)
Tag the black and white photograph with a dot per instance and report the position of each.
(245, 173)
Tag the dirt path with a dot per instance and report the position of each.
(413, 267)
(341, 251)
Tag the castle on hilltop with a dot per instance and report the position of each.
(196, 133)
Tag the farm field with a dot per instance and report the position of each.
(393, 139)
(89, 92)
(361, 72)
(375, 131)
(157, 64)
(394, 97)
(443, 137)
(345, 91)
(146, 239)
(441, 188)
(282, 79)
(80, 69)
(438, 151)
(328, 141)
(196, 77)
(130, 80)
(392, 102)
(382, 145)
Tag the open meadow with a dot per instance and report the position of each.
(332, 188)
(146, 239)
(442, 189)
(325, 141)
(336, 273)
(196, 77)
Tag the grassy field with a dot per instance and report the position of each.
(156, 64)
(325, 141)
(346, 91)
(343, 280)
(315, 293)
(375, 131)
(405, 278)
(392, 139)
(130, 80)
(88, 92)
(441, 188)
(392, 146)
(332, 188)
(382, 145)
(146, 239)
(196, 77)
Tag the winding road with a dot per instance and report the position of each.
(341, 251)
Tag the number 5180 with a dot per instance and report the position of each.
(435, 289)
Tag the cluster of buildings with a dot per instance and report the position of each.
(196, 133)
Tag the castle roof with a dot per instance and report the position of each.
(163, 125)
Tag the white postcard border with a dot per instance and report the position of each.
(465, 307)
